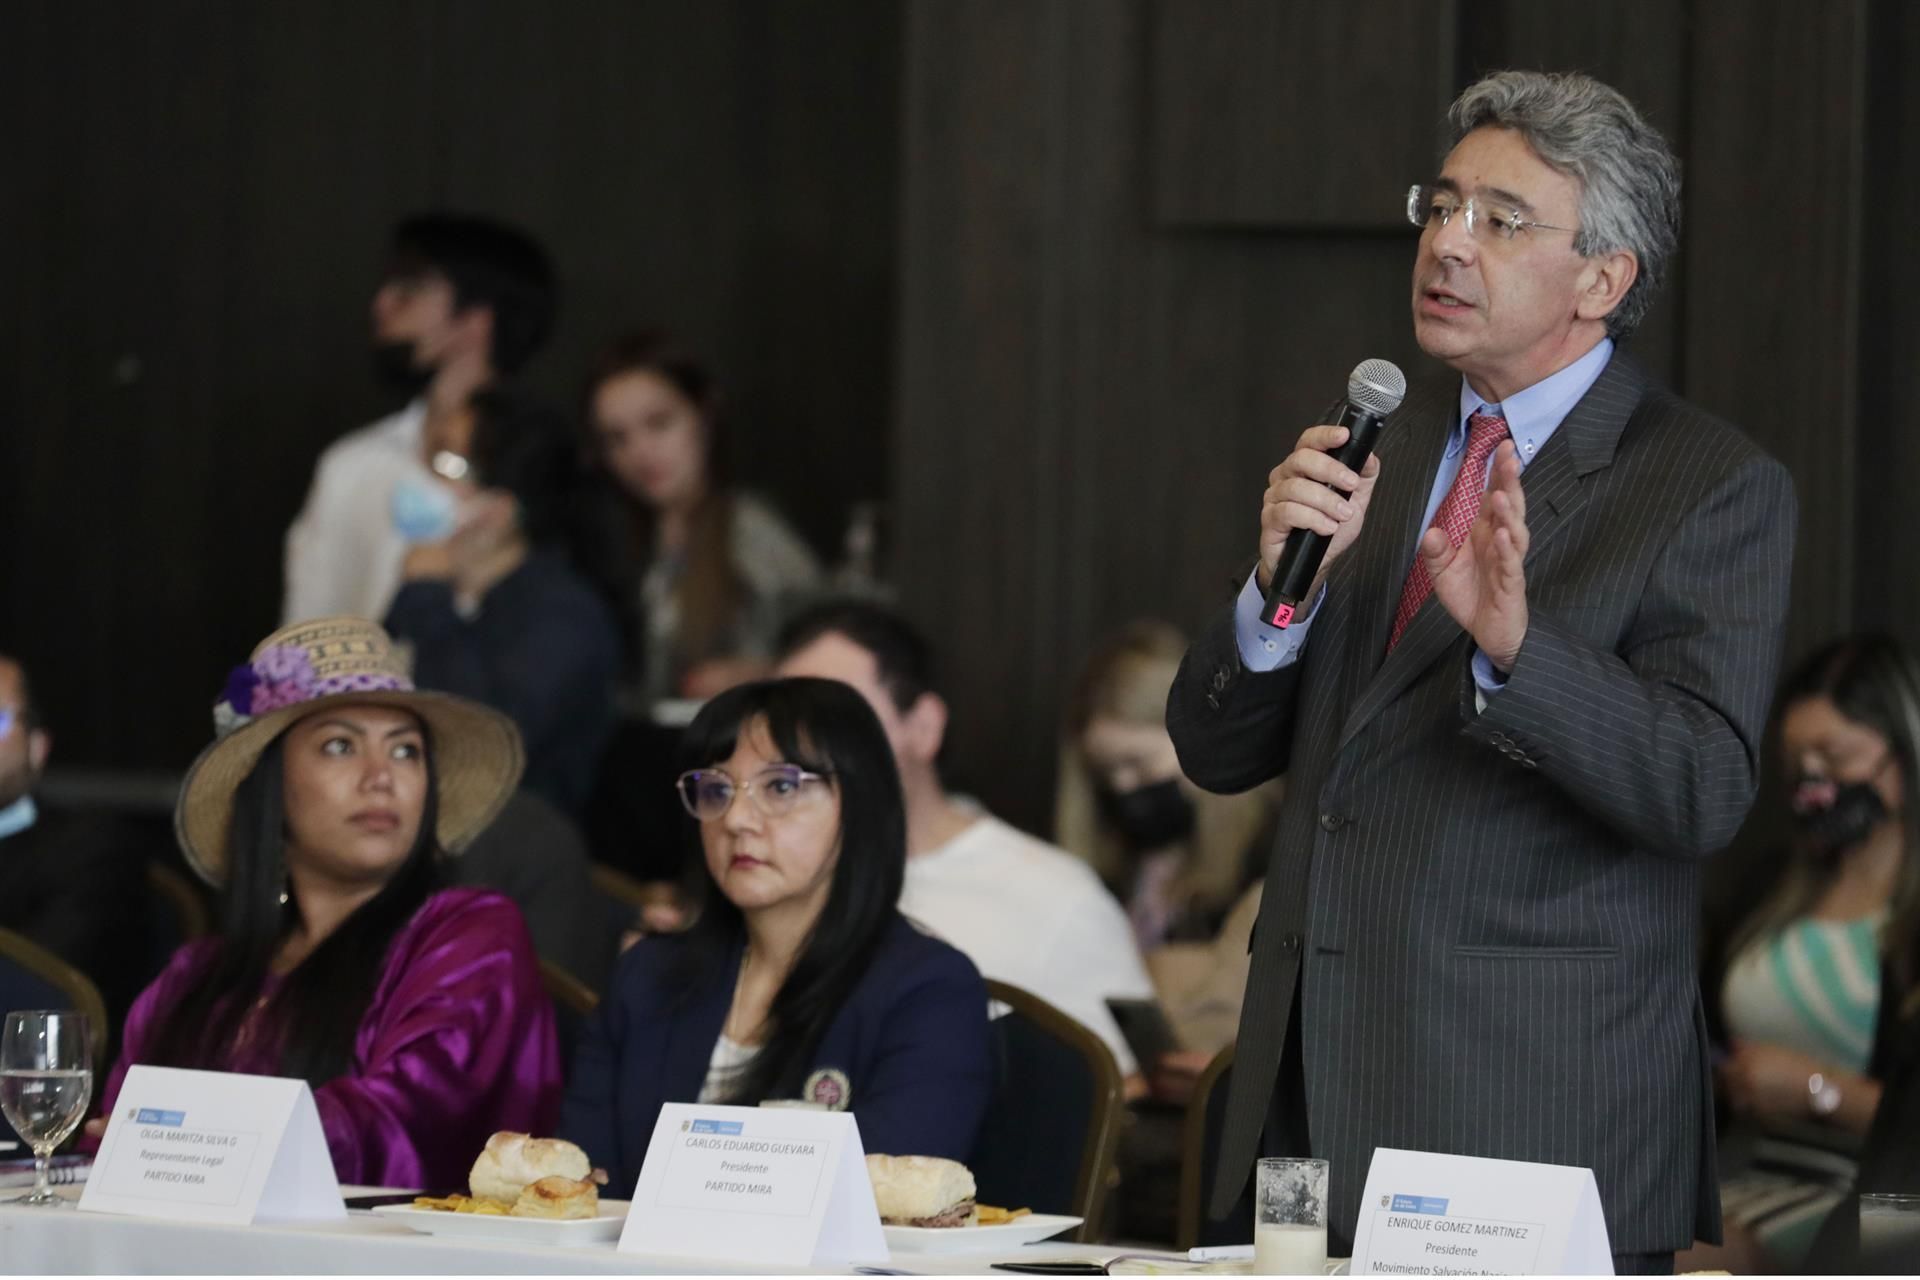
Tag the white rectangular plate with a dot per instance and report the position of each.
(1007, 1235)
(491, 1226)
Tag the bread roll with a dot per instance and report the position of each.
(921, 1191)
(512, 1160)
(558, 1198)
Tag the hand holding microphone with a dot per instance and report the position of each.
(1316, 500)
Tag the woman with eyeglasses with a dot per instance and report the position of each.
(800, 980)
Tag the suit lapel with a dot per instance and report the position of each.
(1584, 443)
(1358, 607)
(692, 1035)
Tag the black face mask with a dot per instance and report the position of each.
(396, 368)
(1832, 828)
(1150, 817)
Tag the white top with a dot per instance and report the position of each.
(729, 1059)
(343, 552)
(1032, 915)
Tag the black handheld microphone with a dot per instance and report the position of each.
(1375, 389)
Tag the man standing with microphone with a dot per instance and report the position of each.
(1518, 708)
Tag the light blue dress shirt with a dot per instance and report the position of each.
(1532, 417)
(17, 817)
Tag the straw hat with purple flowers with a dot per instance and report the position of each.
(298, 670)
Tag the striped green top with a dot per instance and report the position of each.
(1814, 986)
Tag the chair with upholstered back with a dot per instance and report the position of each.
(32, 977)
(1051, 1134)
(1199, 1153)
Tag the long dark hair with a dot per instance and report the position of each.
(319, 1008)
(826, 727)
(711, 590)
(1873, 681)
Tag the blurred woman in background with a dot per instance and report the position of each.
(1177, 856)
(700, 570)
(1805, 976)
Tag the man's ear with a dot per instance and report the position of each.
(925, 723)
(1604, 283)
(475, 326)
(39, 747)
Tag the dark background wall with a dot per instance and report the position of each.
(196, 208)
(1059, 280)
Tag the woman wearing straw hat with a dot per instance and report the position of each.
(322, 812)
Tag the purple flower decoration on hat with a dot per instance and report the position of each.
(286, 678)
(280, 677)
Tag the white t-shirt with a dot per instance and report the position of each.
(343, 552)
(1032, 915)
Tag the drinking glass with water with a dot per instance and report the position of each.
(46, 1081)
(1290, 1218)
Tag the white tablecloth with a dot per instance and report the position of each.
(66, 1241)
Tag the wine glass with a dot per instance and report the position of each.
(46, 1080)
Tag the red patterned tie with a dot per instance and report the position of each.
(1455, 517)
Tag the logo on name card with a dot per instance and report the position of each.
(730, 1128)
(830, 1088)
(1416, 1204)
(152, 1115)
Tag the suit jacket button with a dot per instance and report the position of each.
(1290, 943)
(1331, 822)
(1220, 678)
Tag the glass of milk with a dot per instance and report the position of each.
(1889, 1228)
(1290, 1217)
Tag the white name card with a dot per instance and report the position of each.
(745, 1184)
(1432, 1215)
(205, 1146)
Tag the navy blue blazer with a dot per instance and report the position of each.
(910, 1049)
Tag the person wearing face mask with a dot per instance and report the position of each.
(495, 611)
(1178, 857)
(72, 881)
(801, 980)
(1802, 977)
(464, 303)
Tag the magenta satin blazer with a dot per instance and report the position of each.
(458, 1042)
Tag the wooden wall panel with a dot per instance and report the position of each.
(1287, 113)
(1089, 403)
(1888, 526)
(1773, 261)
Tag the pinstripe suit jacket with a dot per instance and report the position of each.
(1491, 915)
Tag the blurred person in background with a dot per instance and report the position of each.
(1024, 911)
(1804, 977)
(464, 303)
(1180, 858)
(699, 570)
(699, 575)
(495, 611)
(74, 883)
(322, 812)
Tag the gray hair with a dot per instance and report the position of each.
(1628, 177)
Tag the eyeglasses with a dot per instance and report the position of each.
(777, 789)
(1502, 221)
